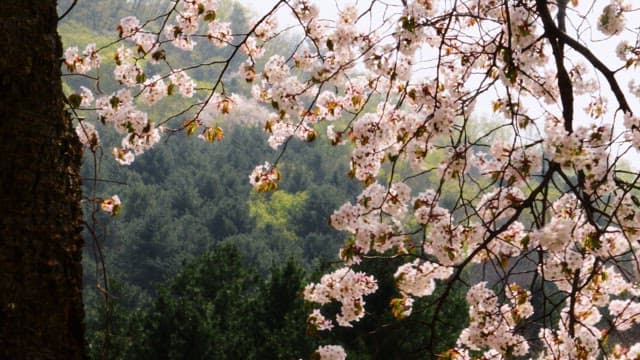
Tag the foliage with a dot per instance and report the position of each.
(201, 313)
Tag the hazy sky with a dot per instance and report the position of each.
(327, 8)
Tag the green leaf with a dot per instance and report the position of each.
(408, 23)
(210, 16)
(75, 100)
(159, 55)
(330, 44)
(190, 126)
(114, 102)
(140, 78)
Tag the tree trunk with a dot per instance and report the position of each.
(41, 314)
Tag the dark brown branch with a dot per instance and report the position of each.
(68, 10)
(565, 85)
(552, 31)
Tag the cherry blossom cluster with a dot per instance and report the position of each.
(401, 307)
(626, 313)
(465, 354)
(567, 222)
(418, 279)
(87, 134)
(317, 321)
(445, 240)
(265, 177)
(330, 352)
(112, 205)
(515, 164)
(628, 217)
(582, 342)
(577, 334)
(612, 20)
(121, 109)
(345, 286)
(586, 149)
(621, 353)
(493, 325)
(371, 221)
(82, 64)
(632, 123)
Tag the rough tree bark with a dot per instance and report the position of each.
(41, 314)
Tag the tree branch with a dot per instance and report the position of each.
(552, 31)
(565, 85)
(68, 10)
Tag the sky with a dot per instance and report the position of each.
(327, 8)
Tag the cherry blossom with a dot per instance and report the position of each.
(219, 34)
(180, 79)
(346, 287)
(331, 352)
(112, 205)
(82, 64)
(153, 90)
(611, 21)
(265, 177)
(418, 279)
(87, 134)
